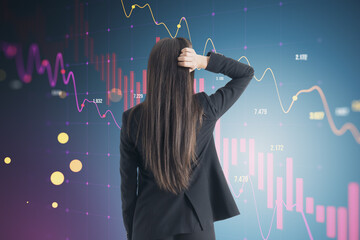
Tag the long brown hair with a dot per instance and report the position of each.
(170, 115)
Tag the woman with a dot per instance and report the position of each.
(172, 184)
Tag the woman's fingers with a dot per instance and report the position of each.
(187, 59)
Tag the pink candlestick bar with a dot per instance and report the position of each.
(242, 145)
(309, 205)
(330, 221)
(217, 137)
(342, 223)
(137, 92)
(195, 85)
(251, 156)
(320, 213)
(201, 84)
(125, 93)
(261, 171)
(226, 158)
(107, 78)
(270, 172)
(144, 80)
(289, 183)
(234, 151)
(119, 79)
(279, 206)
(299, 194)
(353, 205)
(131, 89)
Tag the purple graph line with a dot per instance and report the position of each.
(14, 51)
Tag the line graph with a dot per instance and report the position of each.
(41, 66)
(287, 202)
(34, 58)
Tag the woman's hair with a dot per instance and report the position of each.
(169, 117)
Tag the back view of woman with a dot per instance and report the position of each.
(172, 184)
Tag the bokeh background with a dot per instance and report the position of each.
(68, 70)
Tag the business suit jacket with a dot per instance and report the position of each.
(151, 213)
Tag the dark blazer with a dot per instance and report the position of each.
(150, 213)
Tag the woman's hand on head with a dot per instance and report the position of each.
(189, 58)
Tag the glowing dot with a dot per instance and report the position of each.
(63, 138)
(108, 29)
(62, 94)
(133, 6)
(75, 165)
(131, 58)
(132, 26)
(27, 201)
(45, 62)
(7, 160)
(115, 95)
(245, 47)
(27, 78)
(11, 51)
(156, 22)
(62, 71)
(2, 75)
(213, 14)
(82, 105)
(280, 43)
(103, 115)
(245, 9)
(178, 26)
(57, 178)
(87, 33)
(294, 98)
(54, 204)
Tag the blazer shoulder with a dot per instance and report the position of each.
(208, 106)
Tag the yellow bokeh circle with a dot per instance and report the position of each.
(63, 138)
(54, 204)
(75, 165)
(57, 178)
(7, 160)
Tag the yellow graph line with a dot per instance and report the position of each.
(347, 126)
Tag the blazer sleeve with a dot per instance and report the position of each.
(128, 174)
(226, 96)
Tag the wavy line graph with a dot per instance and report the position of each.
(35, 56)
(274, 210)
(347, 126)
(12, 51)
